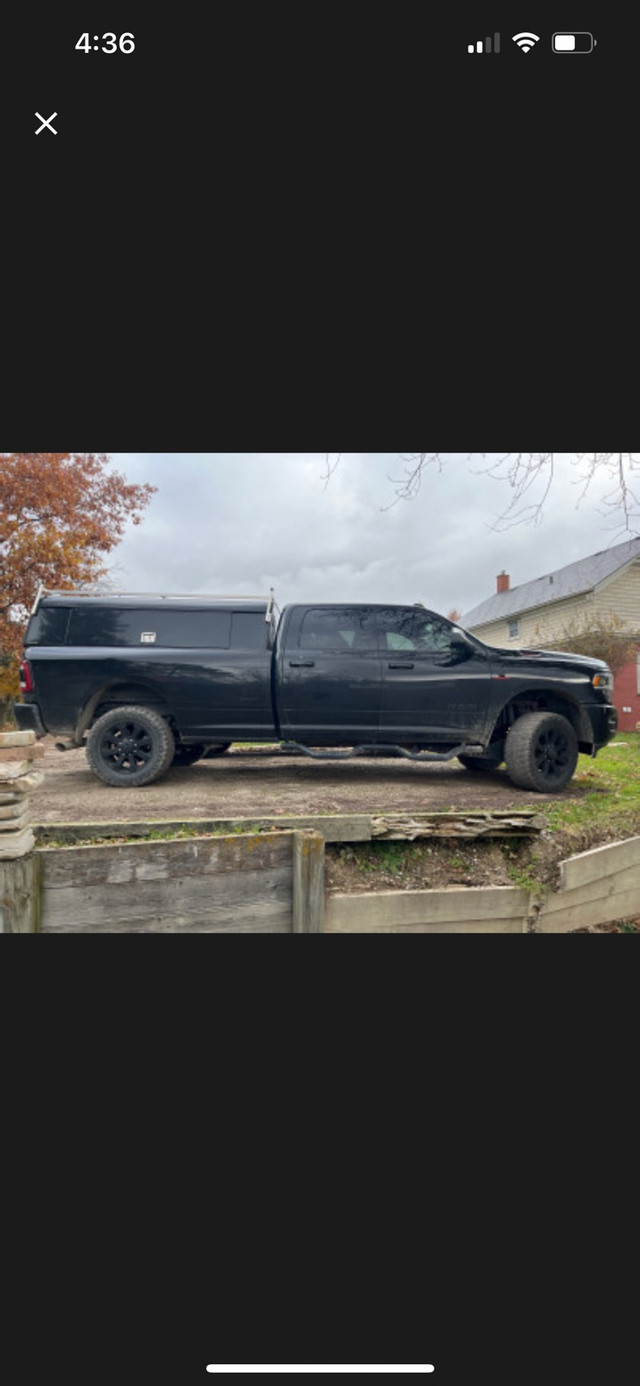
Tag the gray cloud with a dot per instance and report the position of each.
(244, 522)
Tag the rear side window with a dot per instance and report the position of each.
(154, 627)
(48, 626)
(338, 629)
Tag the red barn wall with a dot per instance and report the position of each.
(626, 695)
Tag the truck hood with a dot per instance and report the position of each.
(545, 657)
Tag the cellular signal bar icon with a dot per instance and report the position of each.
(485, 47)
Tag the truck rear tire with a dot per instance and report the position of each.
(541, 752)
(130, 747)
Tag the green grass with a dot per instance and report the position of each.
(391, 858)
(608, 792)
(524, 876)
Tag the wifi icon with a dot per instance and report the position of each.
(526, 41)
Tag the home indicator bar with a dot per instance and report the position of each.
(321, 1369)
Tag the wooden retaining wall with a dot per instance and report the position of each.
(274, 883)
(454, 910)
(248, 883)
(596, 887)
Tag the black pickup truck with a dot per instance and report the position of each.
(146, 682)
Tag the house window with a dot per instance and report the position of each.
(514, 629)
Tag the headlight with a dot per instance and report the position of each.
(603, 680)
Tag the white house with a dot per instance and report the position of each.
(596, 588)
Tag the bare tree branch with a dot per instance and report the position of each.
(531, 477)
(330, 467)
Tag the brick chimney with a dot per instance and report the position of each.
(503, 581)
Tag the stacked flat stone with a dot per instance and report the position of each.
(18, 776)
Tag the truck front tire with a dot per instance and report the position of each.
(130, 746)
(541, 752)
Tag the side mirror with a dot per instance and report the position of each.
(461, 646)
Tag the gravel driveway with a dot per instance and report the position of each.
(259, 782)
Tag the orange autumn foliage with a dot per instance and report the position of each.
(61, 513)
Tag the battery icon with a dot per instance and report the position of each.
(573, 43)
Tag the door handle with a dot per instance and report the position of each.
(401, 666)
(302, 663)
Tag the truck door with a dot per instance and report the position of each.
(430, 691)
(329, 687)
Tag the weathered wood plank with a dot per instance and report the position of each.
(334, 827)
(134, 862)
(408, 827)
(308, 883)
(602, 910)
(245, 902)
(496, 909)
(19, 896)
(276, 923)
(604, 888)
(598, 862)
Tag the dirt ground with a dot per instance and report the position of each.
(247, 782)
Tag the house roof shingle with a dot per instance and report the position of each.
(554, 587)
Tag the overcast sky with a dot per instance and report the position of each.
(245, 522)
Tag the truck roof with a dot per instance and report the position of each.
(154, 600)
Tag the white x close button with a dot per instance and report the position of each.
(46, 124)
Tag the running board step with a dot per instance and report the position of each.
(295, 748)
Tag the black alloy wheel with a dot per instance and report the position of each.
(130, 746)
(541, 752)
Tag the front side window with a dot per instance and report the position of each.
(417, 632)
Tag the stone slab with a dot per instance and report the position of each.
(17, 738)
(34, 752)
(17, 788)
(13, 769)
(14, 845)
(10, 825)
(14, 807)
